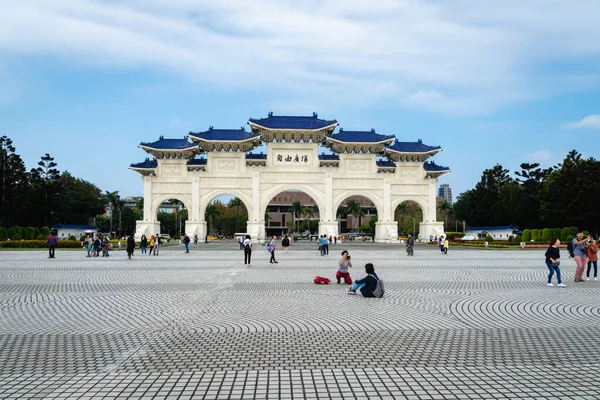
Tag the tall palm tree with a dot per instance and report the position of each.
(114, 201)
(355, 209)
(445, 209)
(210, 214)
(296, 209)
(310, 212)
(237, 203)
(341, 213)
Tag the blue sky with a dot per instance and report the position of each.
(491, 82)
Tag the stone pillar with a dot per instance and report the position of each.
(146, 228)
(148, 225)
(256, 230)
(148, 215)
(196, 228)
(256, 216)
(386, 232)
(328, 228)
(195, 206)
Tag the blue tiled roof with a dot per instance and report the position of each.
(170, 144)
(256, 156)
(224, 134)
(491, 228)
(148, 163)
(386, 163)
(197, 161)
(433, 167)
(329, 157)
(79, 227)
(412, 147)
(292, 122)
(360, 136)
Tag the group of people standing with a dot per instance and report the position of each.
(154, 242)
(97, 245)
(585, 252)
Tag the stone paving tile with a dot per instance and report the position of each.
(475, 324)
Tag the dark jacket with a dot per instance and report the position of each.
(130, 244)
(552, 252)
(370, 282)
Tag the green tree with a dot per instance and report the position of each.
(44, 179)
(13, 184)
(296, 209)
(79, 201)
(531, 179)
(341, 214)
(211, 213)
(445, 209)
(355, 209)
(115, 203)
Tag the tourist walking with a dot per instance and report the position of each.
(51, 241)
(130, 245)
(156, 244)
(553, 262)
(242, 242)
(446, 245)
(195, 240)
(410, 245)
(247, 250)
(441, 244)
(285, 243)
(152, 243)
(143, 244)
(271, 248)
(343, 270)
(186, 243)
(579, 243)
(591, 252)
(367, 284)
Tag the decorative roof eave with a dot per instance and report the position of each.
(171, 153)
(436, 174)
(144, 171)
(196, 167)
(296, 135)
(227, 145)
(400, 156)
(386, 170)
(356, 147)
(256, 163)
(329, 163)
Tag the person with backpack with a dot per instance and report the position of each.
(343, 268)
(591, 252)
(186, 242)
(370, 285)
(247, 250)
(51, 241)
(579, 244)
(553, 262)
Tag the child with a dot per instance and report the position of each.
(367, 284)
(343, 267)
(446, 244)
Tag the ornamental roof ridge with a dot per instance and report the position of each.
(169, 144)
(431, 166)
(146, 164)
(224, 135)
(298, 122)
(412, 147)
(360, 136)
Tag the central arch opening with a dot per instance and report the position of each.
(409, 215)
(292, 213)
(225, 216)
(357, 216)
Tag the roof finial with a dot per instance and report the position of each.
(315, 115)
(373, 130)
(241, 128)
(270, 113)
(161, 137)
(421, 141)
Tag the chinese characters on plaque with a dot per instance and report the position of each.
(292, 159)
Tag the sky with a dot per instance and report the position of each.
(490, 82)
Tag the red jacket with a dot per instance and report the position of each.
(592, 252)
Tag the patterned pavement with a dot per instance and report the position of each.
(474, 324)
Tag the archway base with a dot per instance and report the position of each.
(193, 228)
(147, 228)
(386, 232)
(427, 229)
(328, 228)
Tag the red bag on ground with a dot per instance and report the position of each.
(321, 280)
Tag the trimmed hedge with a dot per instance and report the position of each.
(39, 244)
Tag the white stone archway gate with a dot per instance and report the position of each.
(288, 165)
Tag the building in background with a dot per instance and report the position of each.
(445, 193)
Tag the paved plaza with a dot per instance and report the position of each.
(474, 324)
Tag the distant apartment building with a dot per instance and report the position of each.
(445, 193)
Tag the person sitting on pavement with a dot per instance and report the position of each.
(367, 284)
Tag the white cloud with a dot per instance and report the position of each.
(470, 57)
(543, 157)
(591, 121)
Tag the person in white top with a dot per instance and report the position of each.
(247, 250)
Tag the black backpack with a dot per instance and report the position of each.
(570, 249)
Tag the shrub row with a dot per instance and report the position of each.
(38, 244)
(23, 233)
(547, 234)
